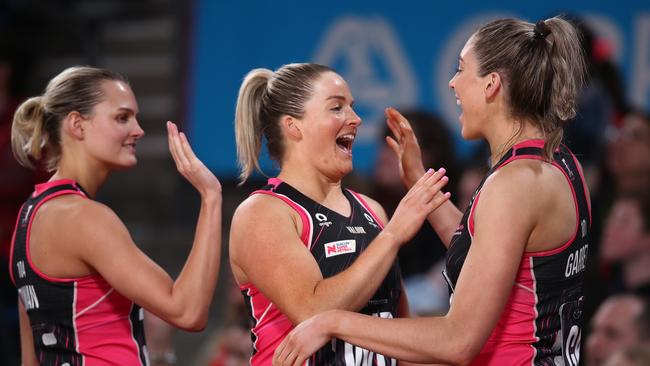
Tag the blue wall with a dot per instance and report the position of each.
(391, 53)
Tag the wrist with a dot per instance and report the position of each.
(329, 322)
(393, 240)
(211, 200)
(414, 176)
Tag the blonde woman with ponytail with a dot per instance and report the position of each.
(82, 282)
(516, 257)
(304, 244)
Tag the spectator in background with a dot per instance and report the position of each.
(420, 258)
(626, 240)
(622, 321)
(633, 356)
(628, 157)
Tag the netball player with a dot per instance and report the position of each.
(82, 282)
(516, 257)
(303, 244)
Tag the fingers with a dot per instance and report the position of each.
(187, 149)
(283, 355)
(172, 133)
(398, 119)
(394, 146)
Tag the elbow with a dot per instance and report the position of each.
(463, 352)
(194, 321)
(195, 324)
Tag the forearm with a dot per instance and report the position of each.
(352, 288)
(194, 288)
(420, 340)
(445, 220)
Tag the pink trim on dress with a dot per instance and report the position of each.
(367, 207)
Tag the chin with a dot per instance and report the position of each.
(125, 165)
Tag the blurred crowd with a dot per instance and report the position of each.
(611, 139)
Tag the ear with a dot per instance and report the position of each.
(492, 85)
(291, 126)
(74, 124)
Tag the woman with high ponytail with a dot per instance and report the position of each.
(516, 257)
(303, 244)
(82, 283)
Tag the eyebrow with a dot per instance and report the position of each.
(125, 109)
(339, 97)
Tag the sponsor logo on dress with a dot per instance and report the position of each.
(356, 229)
(371, 221)
(322, 220)
(340, 247)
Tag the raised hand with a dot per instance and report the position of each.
(424, 197)
(189, 165)
(405, 146)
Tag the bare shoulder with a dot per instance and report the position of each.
(524, 175)
(78, 212)
(260, 207)
(80, 227)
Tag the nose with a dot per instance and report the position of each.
(355, 120)
(138, 132)
(452, 82)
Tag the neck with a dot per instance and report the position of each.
(90, 178)
(310, 182)
(507, 134)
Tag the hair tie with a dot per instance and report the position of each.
(541, 30)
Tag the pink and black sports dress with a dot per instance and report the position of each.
(75, 321)
(335, 241)
(541, 323)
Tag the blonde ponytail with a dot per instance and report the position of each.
(248, 125)
(28, 135)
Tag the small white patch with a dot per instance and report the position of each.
(141, 314)
(49, 339)
(340, 247)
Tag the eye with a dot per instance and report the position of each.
(337, 108)
(124, 118)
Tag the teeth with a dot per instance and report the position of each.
(348, 137)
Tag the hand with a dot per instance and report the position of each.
(405, 146)
(424, 197)
(189, 165)
(303, 341)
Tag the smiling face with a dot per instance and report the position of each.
(468, 89)
(112, 131)
(329, 126)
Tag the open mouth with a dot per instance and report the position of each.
(344, 142)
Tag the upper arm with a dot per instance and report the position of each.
(266, 247)
(503, 222)
(103, 242)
